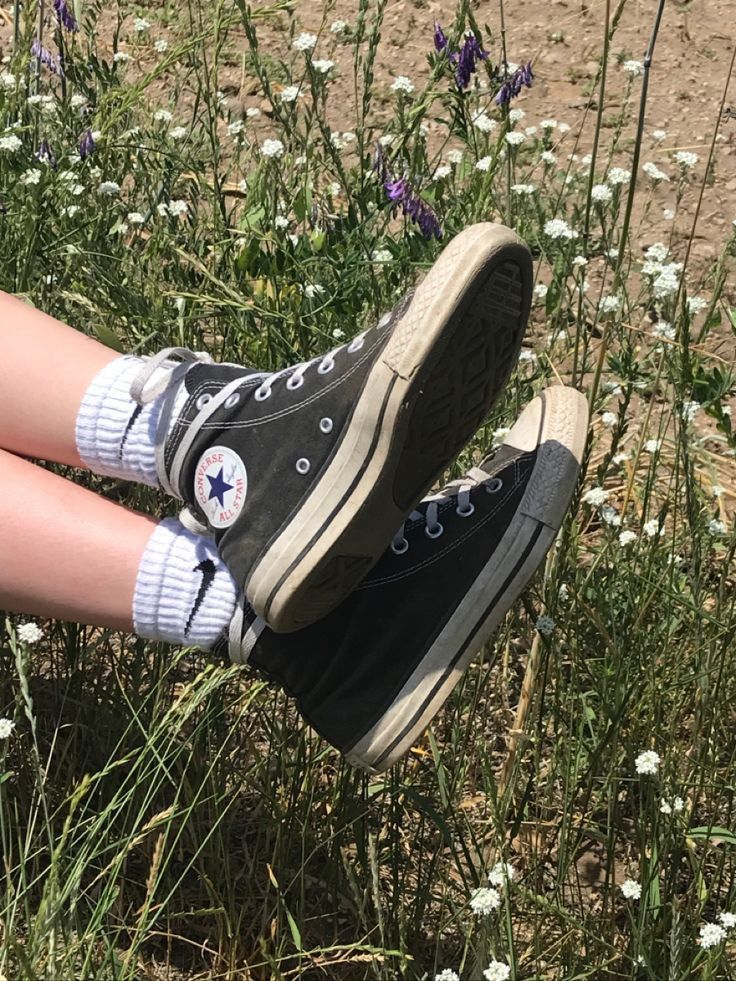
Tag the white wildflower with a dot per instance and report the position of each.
(497, 971)
(618, 175)
(690, 410)
(668, 214)
(110, 188)
(7, 80)
(610, 304)
(652, 171)
(610, 516)
(664, 329)
(484, 163)
(515, 139)
(178, 207)
(161, 46)
(381, 255)
(10, 143)
(163, 116)
(530, 131)
(290, 93)
(252, 112)
(272, 148)
(620, 458)
(501, 873)
(455, 156)
(334, 189)
(483, 122)
(71, 210)
(716, 527)
(609, 419)
(647, 762)
(548, 124)
(6, 727)
(652, 445)
(558, 228)
(631, 889)
(280, 222)
(484, 901)
(633, 67)
(678, 804)
(525, 189)
(444, 170)
(545, 625)
(627, 538)
(78, 101)
(402, 84)
(601, 193)
(696, 304)
(235, 128)
(665, 807)
(717, 491)
(179, 133)
(323, 65)
(313, 289)
(30, 176)
(305, 41)
(651, 528)
(120, 57)
(711, 934)
(548, 158)
(540, 291)
(579, 262)
(727, 920)
(141, 24)
(668, 280)
(685, 159)
(338, 26)
(135, 218)
(595, 496)
(29, 633)
(447, 975)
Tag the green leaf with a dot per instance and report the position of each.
(717, 835)
(108, 337)
(295, 934)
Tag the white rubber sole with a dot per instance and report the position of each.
(346, 522)
(557, 422)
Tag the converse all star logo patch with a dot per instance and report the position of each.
(220, 485)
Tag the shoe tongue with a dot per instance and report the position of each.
(499, 459)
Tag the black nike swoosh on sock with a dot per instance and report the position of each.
(131, 422)
(208, 569)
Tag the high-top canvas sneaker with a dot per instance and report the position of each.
(370, 676)
(303, 475)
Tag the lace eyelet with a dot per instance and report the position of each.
(438, 529)
(232, 400)
(356, 344)
(290, 382)
(203, 400)
(398, 548)
(325, 425)
(303, 465)
(495, 486)
(261, 394)
(466, 512)
(325, 366)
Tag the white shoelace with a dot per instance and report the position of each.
(464, 506)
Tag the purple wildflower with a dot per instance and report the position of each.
(52, 61)
(66, 17)
(470, 52)
(397, 190)
(46, 154)
(523, 76)
(440, 38)
(87, 145)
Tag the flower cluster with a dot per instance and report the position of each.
(523, 76)
(401, 195)
(46, 57)
(65, 16)
(464, 60)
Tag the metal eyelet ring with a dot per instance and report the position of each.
(203, 400)
(303, 465)
(325, 425)
(495, 486)
(232, 400)
(398, 548)
(438, 529)
(356, 345)
(261, 394)
(466, 512)
(325, 366)
(294, 381)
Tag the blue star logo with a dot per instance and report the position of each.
(219, 487)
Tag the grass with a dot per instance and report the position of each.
(163, 816)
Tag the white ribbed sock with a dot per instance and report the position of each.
(115, 435)
(184, 593)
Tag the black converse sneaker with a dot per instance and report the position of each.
(370, 676)
(304, 474)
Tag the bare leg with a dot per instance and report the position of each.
(45, 369)
(66, 552)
